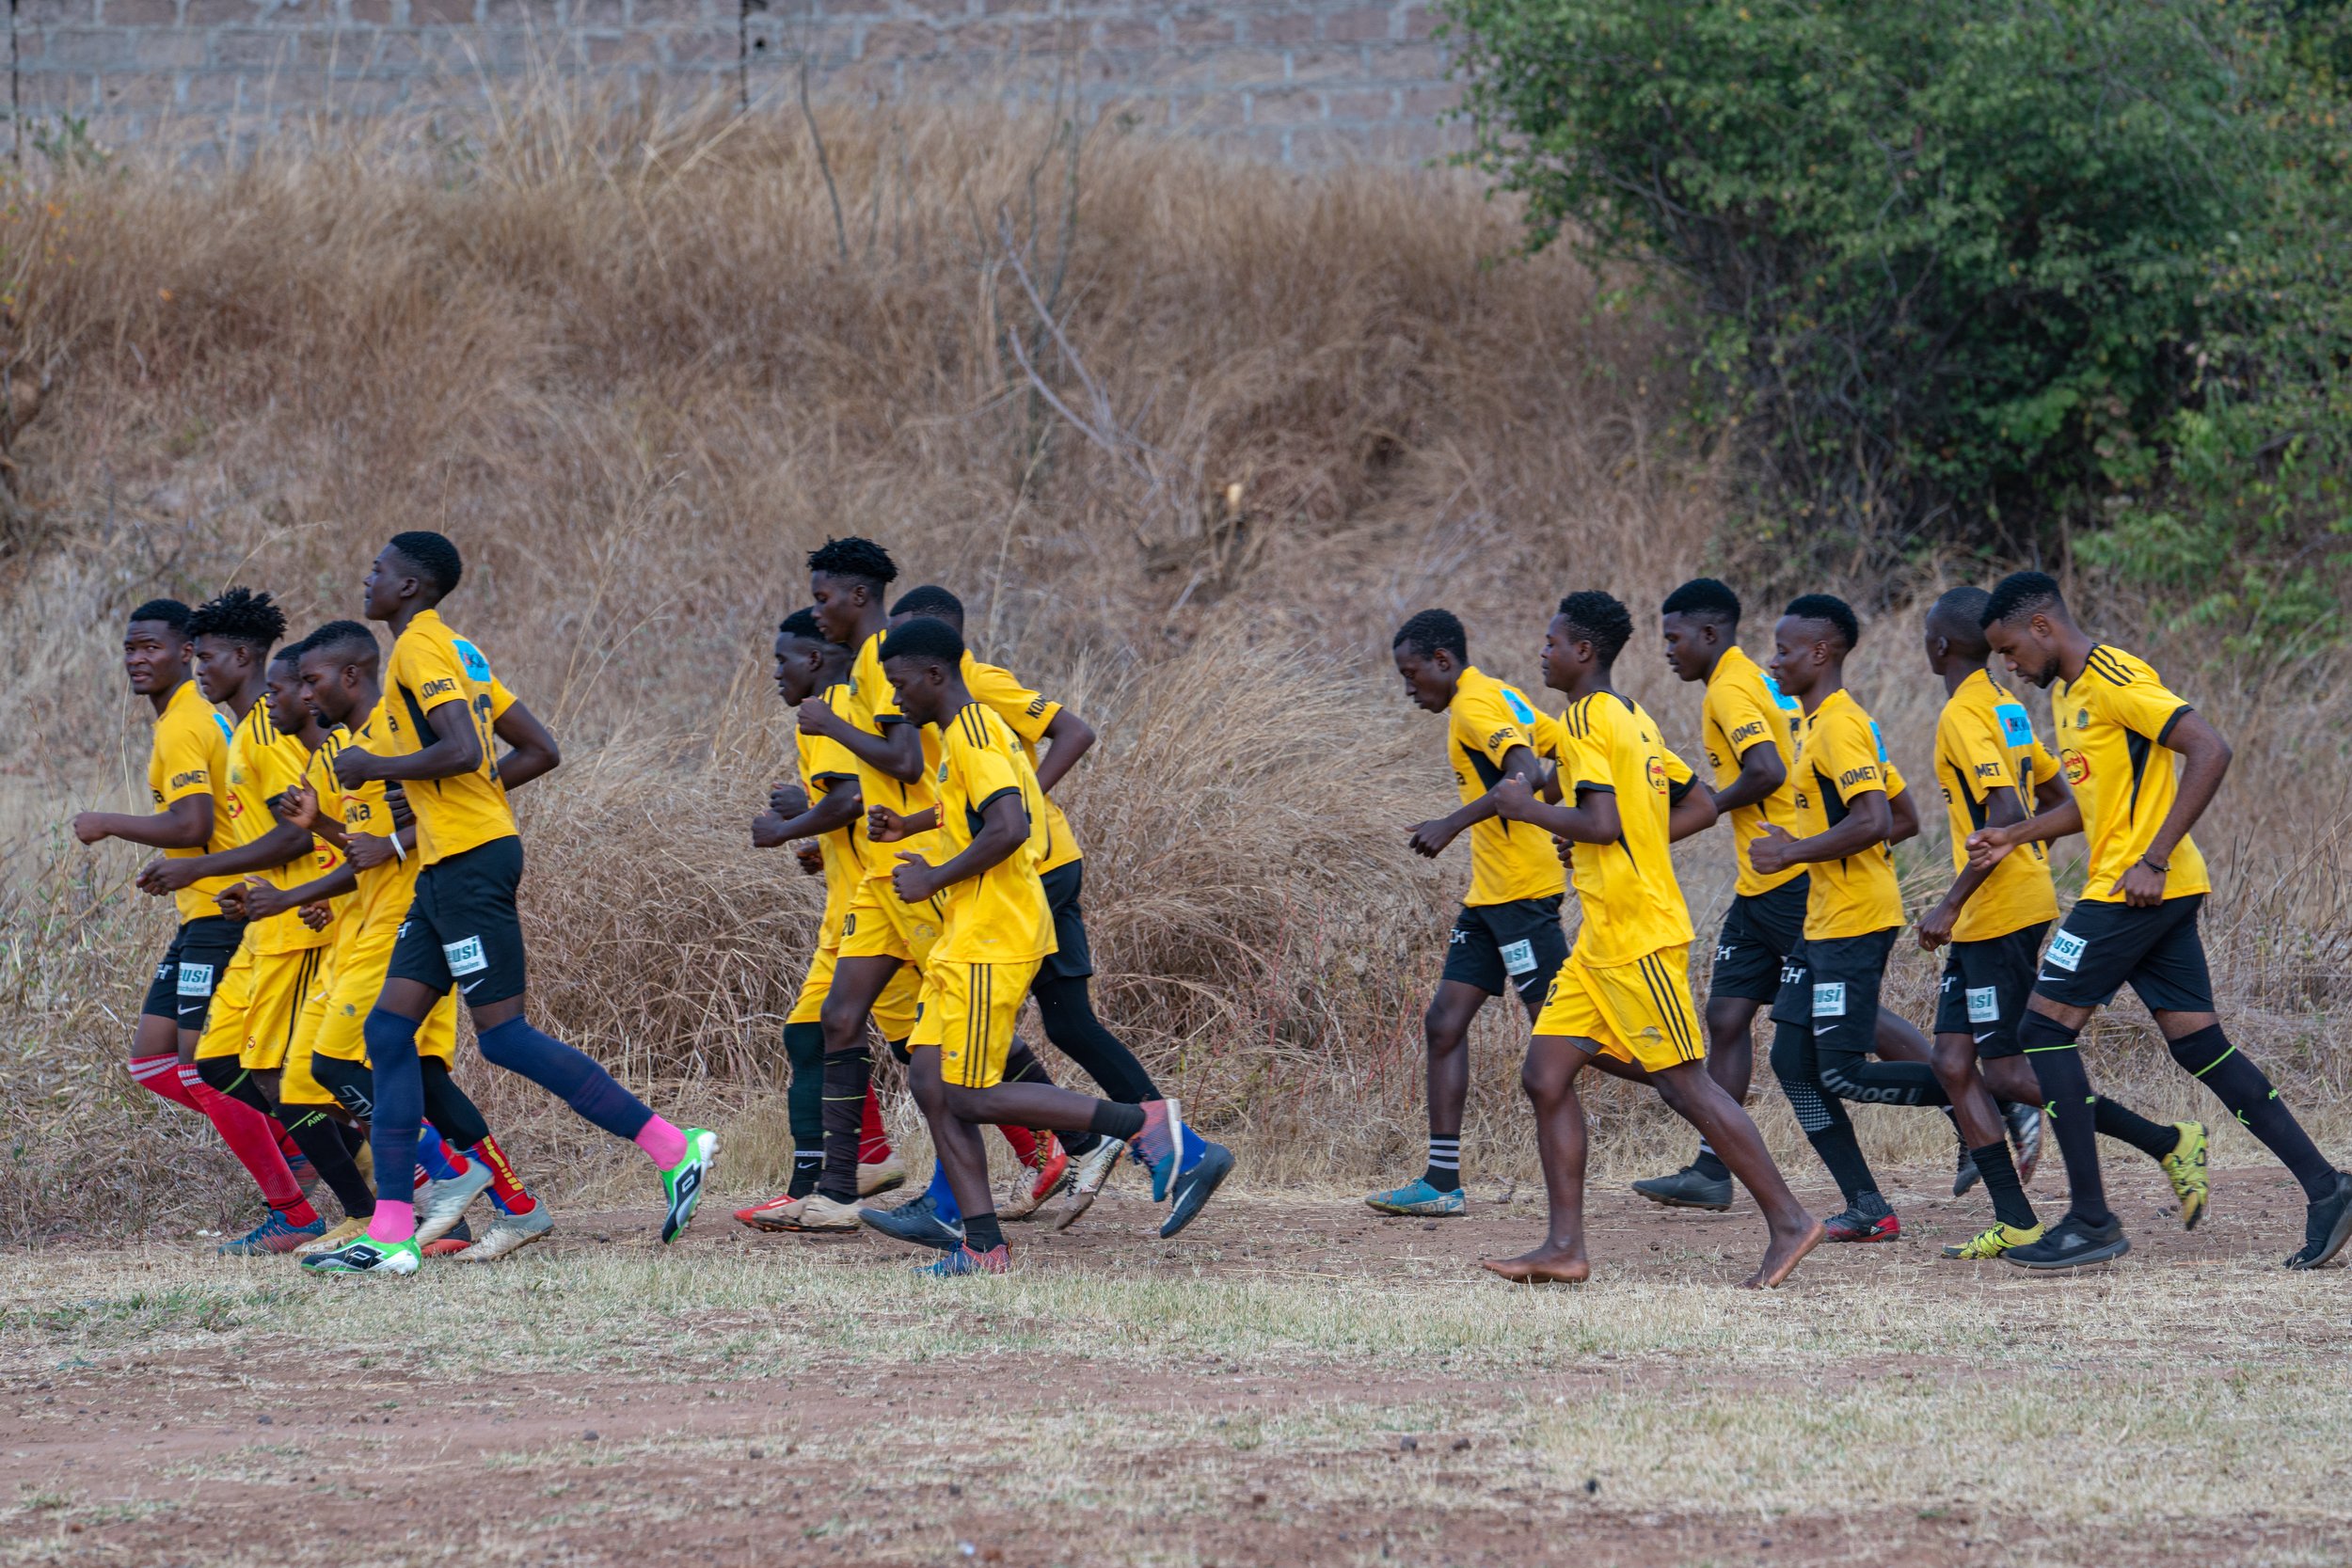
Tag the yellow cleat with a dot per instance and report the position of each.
(1992, 1242)
(2185, 1169)
(349, 1231)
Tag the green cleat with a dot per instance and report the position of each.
(683, 1182)
(1994, 1242)
(367, 1257)
(2185, 1169)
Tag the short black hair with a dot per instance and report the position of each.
(290, 653)
(1431, 630)
(1958, 617)
(348, 640)
(433, 557)
(1831, 608)
(240, 615)
(924, 637)
(1600, 620)
(171, 612)
(2019, 595)
(930, 599)
(802, 623)
(856, 558)
(1704, 598)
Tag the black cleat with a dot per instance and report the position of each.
(2326, 1226)
(1687, 1188)
(2071, 1244)
(1966, 1175)
(917, 1222)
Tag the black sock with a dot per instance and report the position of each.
(446, 1107)
(1113, 1121)
(315, 1133)
(1022, 1066)
(1826, 1126)
(2155, 1139)
(2241, 1086)
(2010, 1204)
(807, 1165)
(1710, 1164)
(805, 1098)
(981, 1232)
(1444, 1170)
(2058, 1066)
(1066, 1007)
(847, 1075)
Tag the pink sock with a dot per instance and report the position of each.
(393, 1222)
(664, 1144)
(161, 1074)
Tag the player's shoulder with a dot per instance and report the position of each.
(2113, 667)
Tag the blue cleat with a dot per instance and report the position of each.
(1419, 1197)
(272, 1234)
(1203, 1171)
(964, 1260)
(918, 1221)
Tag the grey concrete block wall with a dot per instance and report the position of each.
(1299, 81)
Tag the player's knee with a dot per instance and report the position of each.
(2039, 1033)
(2201, 1052)
(1954, 1059)
(219, 1073)
(389, 1037)
(842, 1024)
(1791, 1054)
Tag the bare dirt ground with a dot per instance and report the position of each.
(1296, 1381)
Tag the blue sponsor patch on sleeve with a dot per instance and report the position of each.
(1785, 703)
(1520, 710)
(2016, 728)
(1880, 738)
(477, 667)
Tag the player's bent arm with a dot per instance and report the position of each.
(2001, 809)
(2062, 820)
(262, 899)
(455, 749)
(282, 843)
(837, 808)
(1067, 738)
(1868, 820)
(884, 826)
(2204, 762)
(532, 752)
(1761, 772)
(1004, 828)
(1695, 812)
(185, 824)
(1518, 763)
(1903, 817)
(897, 751)
(1592, 820)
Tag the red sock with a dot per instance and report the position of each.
(502, 1179)
(246, 1130)
(161, 1074)
(287, 1147)
(1024, 1145)
(873, 1144)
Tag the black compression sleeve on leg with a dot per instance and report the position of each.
(1826, 1126)
(447, 1108)
(228, 1076)
(322, 1142)
(1065, 1003)
(1113, 1120)
(2125, 1125)
(804, 1048)
(2058, 1066)
(847, 1075)
(2242, 1086)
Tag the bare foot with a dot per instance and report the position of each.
(1782, 1257)
(1544, 1266)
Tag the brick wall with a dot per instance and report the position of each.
(1296, 80)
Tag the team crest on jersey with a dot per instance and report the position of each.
(477, 667)
(1518, 704)
(2077, 764)
(2082, 719)
(1658, 774)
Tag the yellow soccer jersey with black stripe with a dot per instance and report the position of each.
(826, 764)
(999, 917)
(1984, 742)
(1745, 708)
(432, 667)
(2112, 723)
(263, 762)
(1839, 757)
(1633, 903)
(189, 755)
(1509, 861)
(1027, 712)
(874, 709)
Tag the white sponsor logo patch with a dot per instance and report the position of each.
(1984, 1005)
(464, 957)
(2066, 951)
(195, 979)
(1829, 999)
(1518, 957)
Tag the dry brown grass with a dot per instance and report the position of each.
(627, 360)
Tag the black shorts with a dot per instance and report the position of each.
(1832, 986)
(462, 927)
(1759, 932)
(1071, 959)
(1516, 946)
(1985, 987)
(2101, 948)
(191, 968)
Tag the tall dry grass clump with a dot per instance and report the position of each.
(1189, 438)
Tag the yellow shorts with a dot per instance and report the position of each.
(893, 1011)
(969, 1011)
(232, 996)
(1640, 1012)
(877, 924)
(346, 993)
(281, 982)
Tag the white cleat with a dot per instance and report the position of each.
(511, 1234)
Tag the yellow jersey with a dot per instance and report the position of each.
(2111, 727)
(1632, 904)
(1840, 757)
(432, 667)
(384, 891)
(1743, 708)
(873, 706)
(1509, 861)
(999, 917)
(1984, 742)
(265, 761)
(1027, 713)
(825, 765)
(189, 755)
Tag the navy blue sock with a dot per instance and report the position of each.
(567, 1074)
(943, 1197)
(397, 1103)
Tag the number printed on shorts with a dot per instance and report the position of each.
(464, 957)
(1829, 999)
(2066, 951)
(1518, 957)
(195, 979)
(1984, 1005)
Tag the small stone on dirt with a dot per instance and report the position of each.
(587, 1437)
(1408, 1444)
